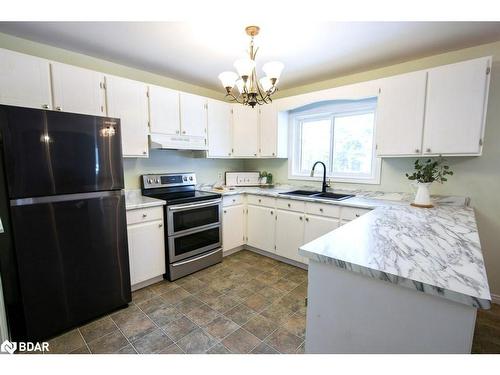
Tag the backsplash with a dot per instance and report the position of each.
(162, 161)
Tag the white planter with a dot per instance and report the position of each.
(423, 196)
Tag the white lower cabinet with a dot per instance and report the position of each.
(233, 227)
(260, 227)
(289, 234)
(146, 246)
(317, 226)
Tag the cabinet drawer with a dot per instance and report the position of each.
(290, 205)
(232, 200)
(351, 213)
(260, 200)
(142, 215)
(320, 209)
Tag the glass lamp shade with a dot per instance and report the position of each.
(228, 79)
(273, 69)
(244, 67)
(241, 86)
(266, 83)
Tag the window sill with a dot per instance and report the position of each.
(367, 181)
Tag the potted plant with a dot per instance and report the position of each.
(266, 178)
(427, 172)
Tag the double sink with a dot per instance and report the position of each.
(319, 194)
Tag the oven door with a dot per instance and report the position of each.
(195, 242)
(184, 218)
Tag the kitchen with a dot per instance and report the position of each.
(217, 226)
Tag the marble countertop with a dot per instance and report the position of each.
(134, 199)
(435, 251)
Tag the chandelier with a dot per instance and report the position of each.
(249, 90)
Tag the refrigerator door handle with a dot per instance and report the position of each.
(64, 197)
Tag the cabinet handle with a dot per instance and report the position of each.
(307, 219)
(272, 212)
(183, 132)
(45, 106)
(417, 151)
(144, 152)
(428, 150)
(59, 108)
(177, 132)
(234, 200)
(289, 205)
(225, 211)
(357, 215)
(300, 217)
(274, 154)
(254, 154)
(160, 225)
(144, 216)
(320, 210)
(260, 200)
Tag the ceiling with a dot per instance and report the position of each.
(198, 52)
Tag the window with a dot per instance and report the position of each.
(341, 134)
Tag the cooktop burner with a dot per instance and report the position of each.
(175, 188)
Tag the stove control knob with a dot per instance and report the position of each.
(190, 178)
(157, 180)
(185, 178)
(150, 181)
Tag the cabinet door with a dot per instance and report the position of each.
(456, 107)
(245, 131)
(193, 115)
(164, 115)
(24, 80)
(77, 90)
(233, 227)
(260, 227)
(127, 100)
(317, 226)
(400, 115)
(146, 248)
(219, 129)
(289, 234)
(268, 131)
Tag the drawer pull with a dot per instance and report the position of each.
(144, 216)
(320, 210)
(289, 205)
(307, 219)
(225, 211)
(234, 200)
(358, 215)
(300, 217)
(260, 200)
(272, 212)
(160, 225)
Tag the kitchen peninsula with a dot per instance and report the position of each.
(397, 280)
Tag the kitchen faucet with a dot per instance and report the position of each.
(323, 187)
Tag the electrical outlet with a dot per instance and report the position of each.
(220, 175)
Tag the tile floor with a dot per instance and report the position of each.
(247, 304)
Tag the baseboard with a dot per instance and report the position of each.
(277, 257)
(495, 298)
(146, 283)
(225, 253)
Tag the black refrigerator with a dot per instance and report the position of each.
(63, 250)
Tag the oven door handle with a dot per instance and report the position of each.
(197, 258)
(194, 205)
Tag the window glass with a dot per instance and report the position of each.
(315, 143)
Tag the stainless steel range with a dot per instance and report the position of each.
(193, 234)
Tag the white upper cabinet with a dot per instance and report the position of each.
(193, 115)
(400, 114)
(164, 115)
(456, 107)
(245, 131)
(127, 100)
(24, 80)
(219, 128)
(273, 132)
(77, 90)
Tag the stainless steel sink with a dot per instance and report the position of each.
(305, 193)
(318, 194)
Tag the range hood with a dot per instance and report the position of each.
(176, 142)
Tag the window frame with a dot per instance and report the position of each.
(330, 110)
